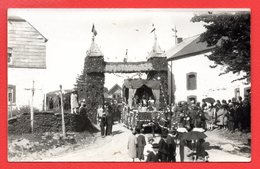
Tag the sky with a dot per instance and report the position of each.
(69, 36)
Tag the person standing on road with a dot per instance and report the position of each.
(163, 151)
(140, 145)
(131, 145)
(153, 154)
(109, 120)
(74, 102)
(170, 140)
(148, 147)
(102, 119)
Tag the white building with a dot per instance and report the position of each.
(26, 63)
(115, 92)
(193, 78)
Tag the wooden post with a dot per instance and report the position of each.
(32, 113)
(62, 113)
(11, 107)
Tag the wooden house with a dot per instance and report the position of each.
(26, 63)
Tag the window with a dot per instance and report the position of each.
(11, 94)
(247, 92)
(237, 93)
(191, 81)
(10, 55)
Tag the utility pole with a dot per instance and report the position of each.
(175, 40)
(175, 35)
(62, 113)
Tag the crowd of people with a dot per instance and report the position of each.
(106, 116)
(232, 115)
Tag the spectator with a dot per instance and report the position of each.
(148, 147)
(131, 146)
(140, 145)
(163, 151)
(153, 155)
(171, 145)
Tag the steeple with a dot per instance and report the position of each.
(94, 50)
(156, 51)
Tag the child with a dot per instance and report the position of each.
(153, 155)
(201, 151)
(148, 147)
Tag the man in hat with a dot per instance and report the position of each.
(140, 144)
(170, 140)
(163, 151)
(102, 119)
(109, 119)
(82, 109)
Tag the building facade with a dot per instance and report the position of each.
(26, 64)
(191, 74)
(115, 92)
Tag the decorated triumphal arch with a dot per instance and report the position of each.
(91, 86)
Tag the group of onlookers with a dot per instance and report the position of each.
(231, 115)
(105, 115)
(149, 151)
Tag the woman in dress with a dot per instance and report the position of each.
(131, 146)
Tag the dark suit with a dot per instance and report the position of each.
(109, 121)
(152, 157)
(172, 148)
(163, 151)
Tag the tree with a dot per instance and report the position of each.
(230, 34)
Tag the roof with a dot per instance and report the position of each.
(137, 83)
(16, 18)
(94, 50)
(19, 19)
(188, 47)
(114, 89)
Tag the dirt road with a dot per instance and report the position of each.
(114, 148)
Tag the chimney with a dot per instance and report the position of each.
(179, 40)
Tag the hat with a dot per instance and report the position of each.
(150, 139)
(155, 145)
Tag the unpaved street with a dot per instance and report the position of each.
(114, 148)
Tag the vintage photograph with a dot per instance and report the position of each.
(129, 85)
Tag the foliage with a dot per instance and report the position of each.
(230, 34)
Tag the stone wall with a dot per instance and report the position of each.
(49, 122)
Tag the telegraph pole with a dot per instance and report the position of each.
(175, 34)
(62, 113)
(175, 39)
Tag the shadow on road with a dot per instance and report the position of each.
(117, 132)
(209, 147)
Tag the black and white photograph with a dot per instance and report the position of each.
(129, 85)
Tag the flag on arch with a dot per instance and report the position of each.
(94, 30)
(152, 29)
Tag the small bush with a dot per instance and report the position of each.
(22, 110)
